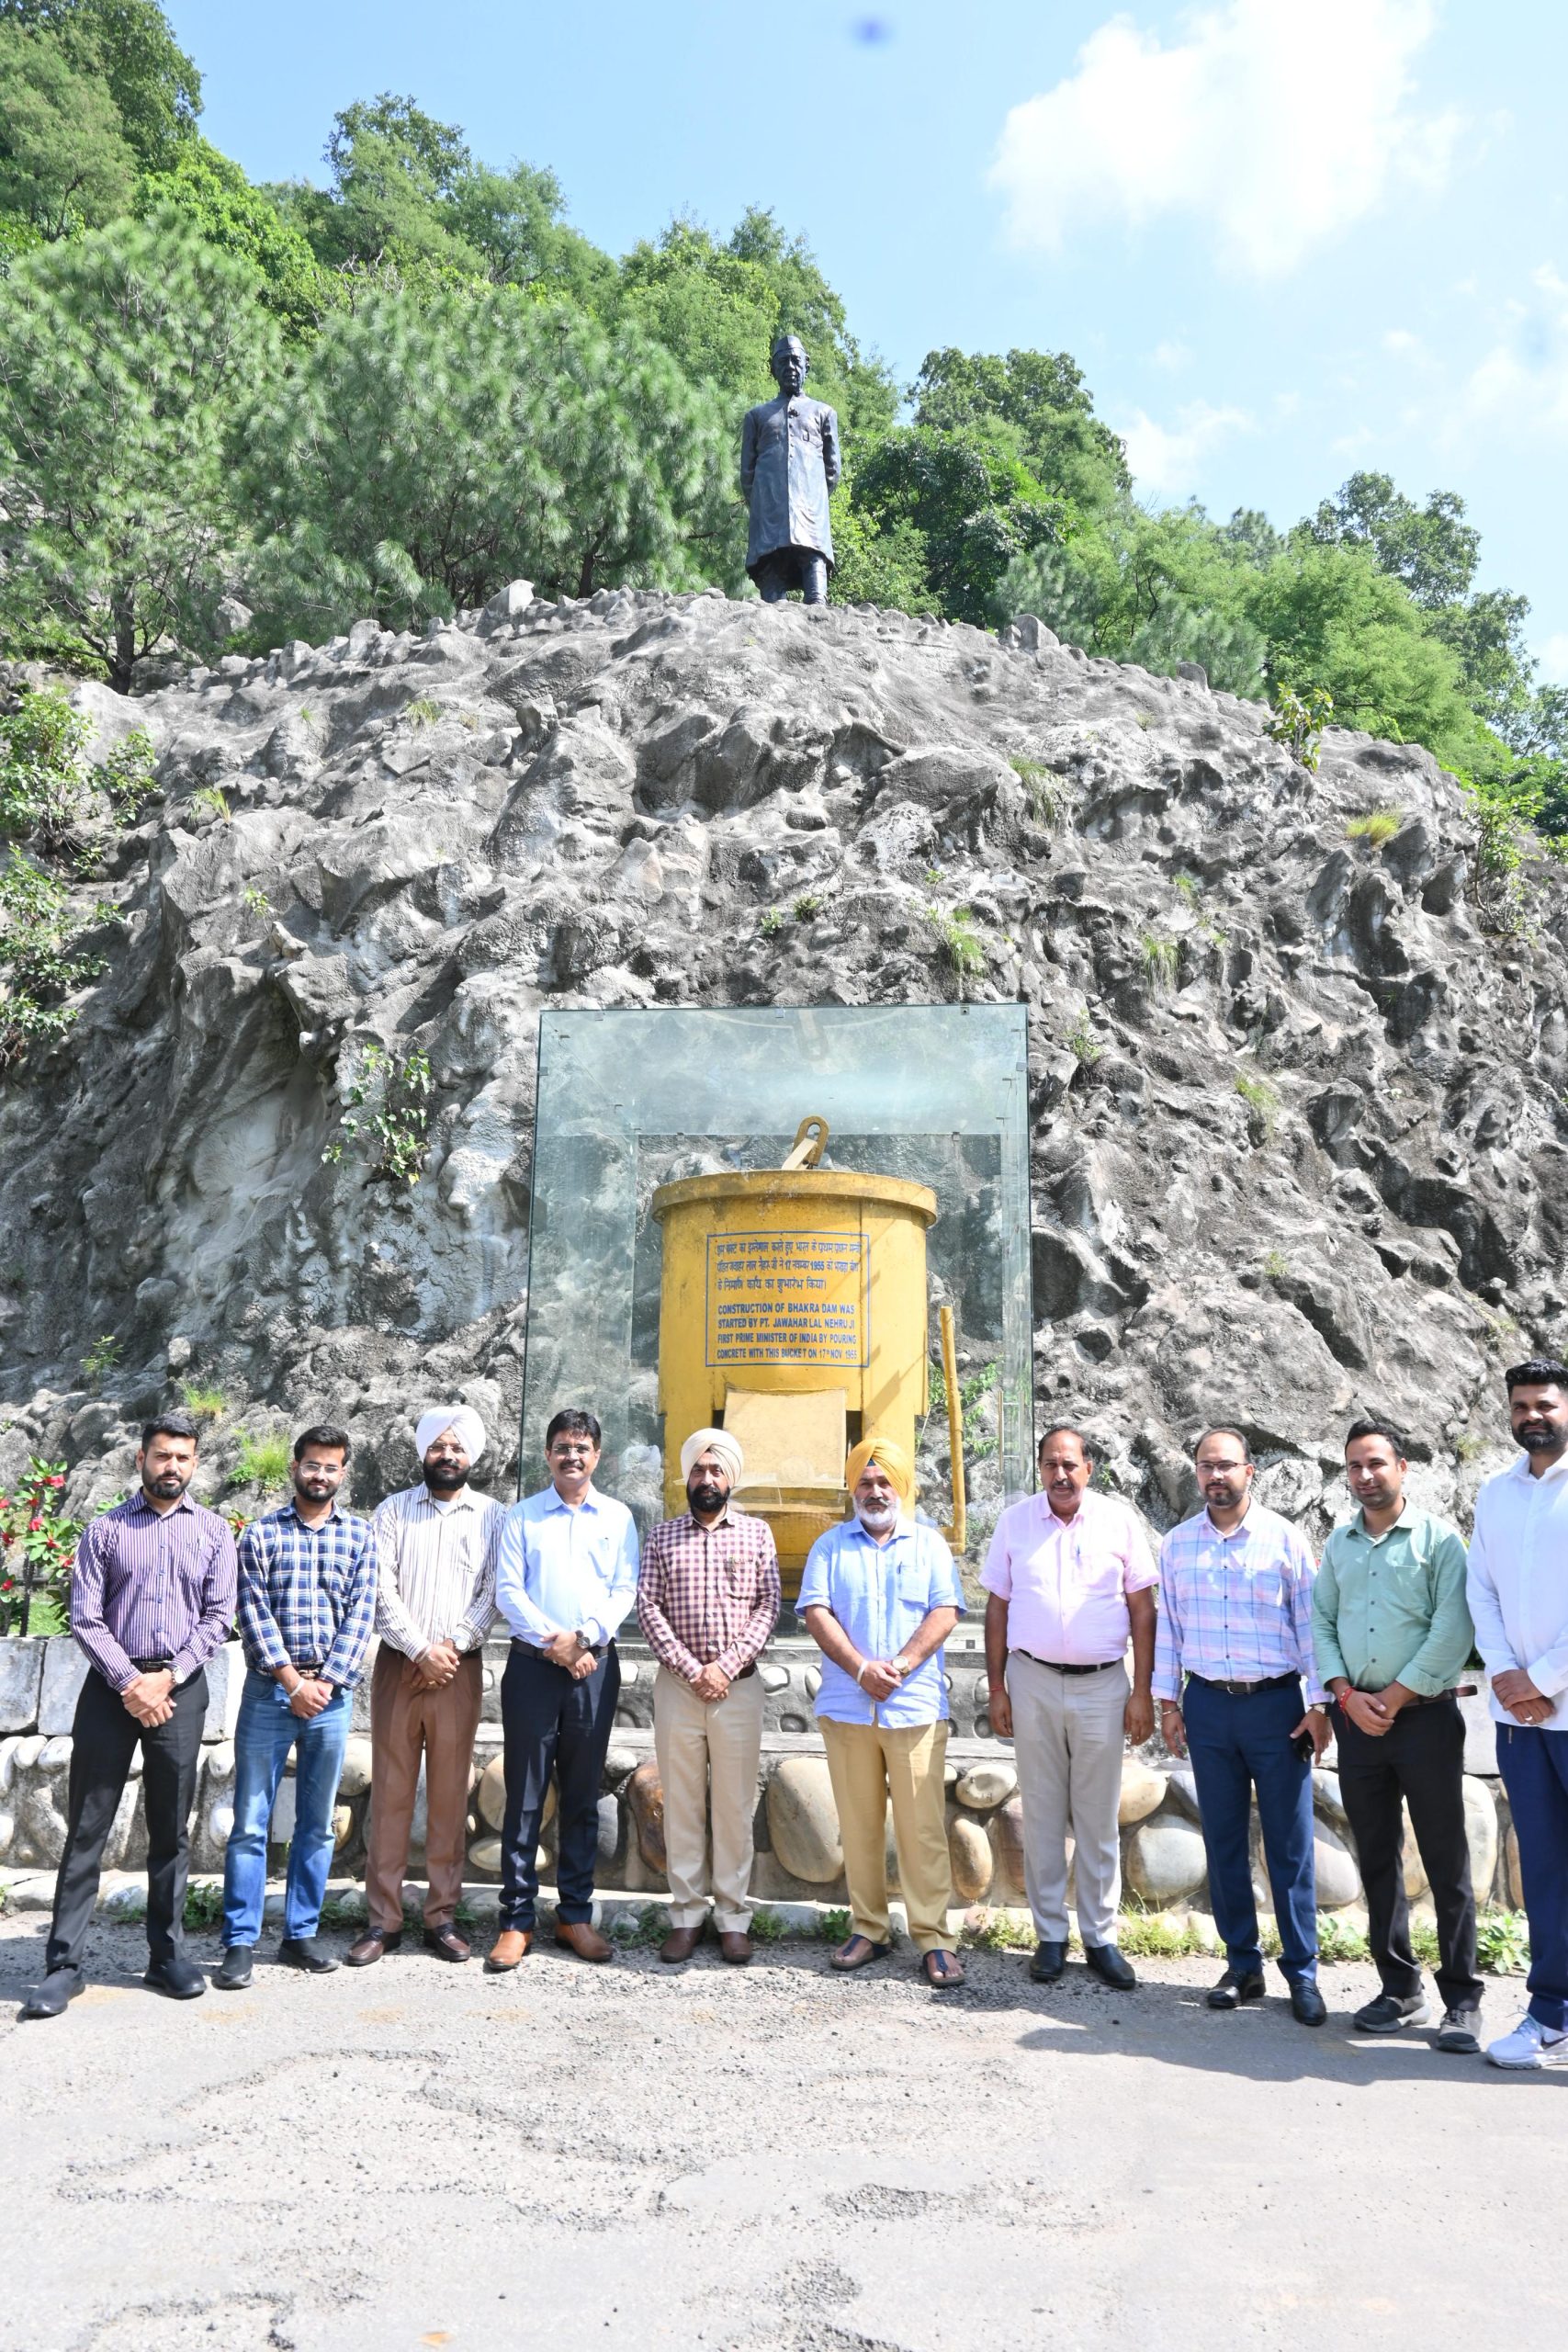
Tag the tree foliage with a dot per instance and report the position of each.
(124, 355)
(425, 451)
(129, 50)
(202, 192)
(65, 161)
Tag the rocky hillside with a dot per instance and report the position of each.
(1298, 1108)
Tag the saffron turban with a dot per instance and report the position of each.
(461, 1419)
(889, 1458)
(719, 1443)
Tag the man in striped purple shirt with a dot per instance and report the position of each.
(152, 1599)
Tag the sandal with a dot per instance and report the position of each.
(944, 1970)
(859, 1952)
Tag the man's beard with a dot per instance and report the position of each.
(877, 1518)
(444, 1478)
(708, 1498)
(168, 1485)
(1539, 1437)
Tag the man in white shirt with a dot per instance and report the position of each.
(567, 1577)
(1518, 1589)
(1072, 1579)
(435, 1597)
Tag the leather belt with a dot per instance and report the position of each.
(1057, 1668)
(1244, 1689)
(152, 1665)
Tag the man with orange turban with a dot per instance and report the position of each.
(880, 1595)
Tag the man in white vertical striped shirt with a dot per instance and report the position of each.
(435, 1599)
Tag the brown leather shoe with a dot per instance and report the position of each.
(735, 1946)
(446, 1943)
(368, 1949)
(680, 1944)
(512, 1945)
(576, 1934)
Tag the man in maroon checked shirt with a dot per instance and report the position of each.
(151, 1601)
(707, 1602)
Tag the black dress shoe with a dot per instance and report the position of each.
(233, 1973)
(49, 1999)
(1110, 1967)
(446, 1943)
(304, 1952)
(1307, 2003)
(1049, 1963)
(178, 1978)
(1236, 1985)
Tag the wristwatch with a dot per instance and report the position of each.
(585, 1640)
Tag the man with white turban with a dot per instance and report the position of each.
(880, 1595)
(435, 1597)
(566, 1577)
(707, 1602)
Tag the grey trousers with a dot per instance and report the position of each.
(1069, 1741)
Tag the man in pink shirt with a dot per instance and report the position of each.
(1072, 1579)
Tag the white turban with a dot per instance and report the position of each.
(716, 1441)
(461, 1419)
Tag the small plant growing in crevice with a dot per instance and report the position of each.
(1083, 1043)
(1262, 1106)
(959, 940)
(387, 1114)
(805, 906)
(212, 798)
(42, 962)
(1299, 721)
(773, 922)
(101, 1357)
(1378, 826)
(1041, 787)
(263, 1462)
(423, 711)
(255, 902)
(979, 1441)
(1276, 1265)
(1162, 962)
(206, 1403)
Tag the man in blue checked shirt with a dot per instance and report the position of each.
(880, 1595)
(307, 1609)
(1236, 1620)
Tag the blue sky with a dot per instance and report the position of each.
(1284, 238)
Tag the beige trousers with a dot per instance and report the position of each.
(707, 1764)
(1068, 1743)
(872, 1768)
(407, 1722)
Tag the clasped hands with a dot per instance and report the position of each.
(308, 1696)
(151, 1697)
(1520, 1696)
(564, 1649)
(880, 1677)
(437, 1665)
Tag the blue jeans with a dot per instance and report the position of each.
(1534, 1765)
(1237, 1745)
(265, 1731)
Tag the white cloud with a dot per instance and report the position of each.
(1553, 660)
(1172, 356)
(1167, 462)
(1519, 389)
(1274, 123)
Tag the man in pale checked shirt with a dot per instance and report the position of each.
(566, 1579)
(436, 1544)
(151, 1598)
(1236, 1620)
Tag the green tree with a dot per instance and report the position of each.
(1431, 548)
(122, 358)
(65, 161)
(205, 192)
(1040, 397)
(425, 451)
(131, 48)
(973, 504)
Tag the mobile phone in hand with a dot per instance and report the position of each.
(1301, 1742)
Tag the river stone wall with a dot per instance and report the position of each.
(799, 1857)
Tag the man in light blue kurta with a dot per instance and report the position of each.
(565, 1576)
(880, 1594)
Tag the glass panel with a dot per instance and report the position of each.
(628, 1100)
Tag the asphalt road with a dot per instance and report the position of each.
(762, 2160)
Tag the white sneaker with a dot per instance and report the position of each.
(1530, 2044)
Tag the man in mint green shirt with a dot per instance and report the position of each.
(1391, 1632)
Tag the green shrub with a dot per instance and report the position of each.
(1377, 827)
(1502, 1943)
(1083, 1042)
(773, 922)
(207, 1404)
(1262, 1104)
(37, 1545)
(1162, 962)
(394, 1097)
(1299, 721)
(423, 711)
(767, 1926)
(41, 963)
(959, 941)
(101, 1357)
(204, 1904)
(1041, 786)
(833, 1926)
(1340, 1939)
(264, 1462)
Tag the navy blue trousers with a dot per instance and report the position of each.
(552, 1724)
(1534, 1765)
(1239, 1744)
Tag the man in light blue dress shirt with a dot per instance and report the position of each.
(880, 1595)
(565, 1578)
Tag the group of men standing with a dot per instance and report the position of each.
(1249, 1648)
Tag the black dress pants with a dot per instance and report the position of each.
(1419, 1759)
(552, 1724)
(105, 1737)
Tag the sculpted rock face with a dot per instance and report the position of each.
(1296, 1113)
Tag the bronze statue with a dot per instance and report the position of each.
(789, 462)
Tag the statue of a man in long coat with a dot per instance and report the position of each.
(789, 462)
